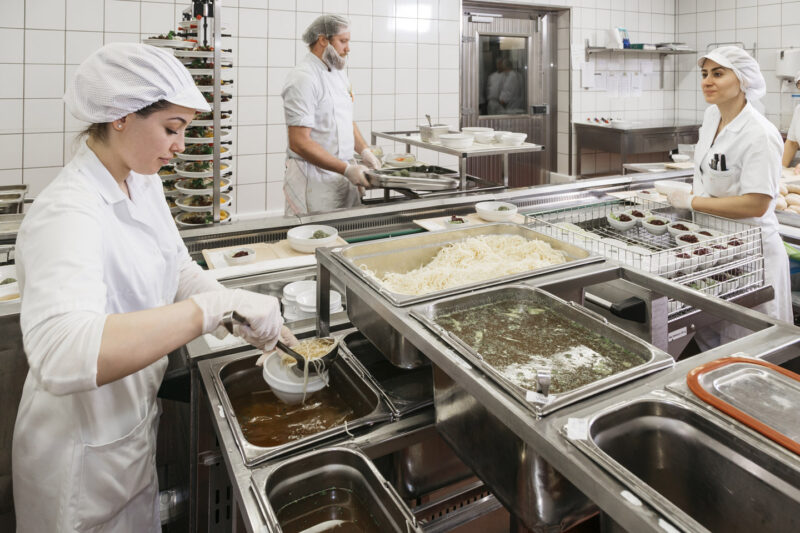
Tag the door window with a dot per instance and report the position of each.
(503, 75)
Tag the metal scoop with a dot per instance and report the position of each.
(429, 120)
(543, 381)
(232, 317)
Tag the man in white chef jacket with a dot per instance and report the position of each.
(318, 103)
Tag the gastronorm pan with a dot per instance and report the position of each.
(403, 254)
(238, 372)
(418, 181)
(652, 358)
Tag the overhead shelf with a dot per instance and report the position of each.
(662, 53)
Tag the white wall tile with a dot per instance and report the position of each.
(360, 28)
(275, 113)
(44, 81)
(360, 7)
(309, 5)
(282, 24)
(123, 17)
(362, 108)
(281, 52)
(42, 149)
(252, 52)
(44, 46)
(406, 81)
(85, 15)
(11, 50)
(383, 29)
(10, 151)
(251, 198)
(405, 30)
(383, 81)
(44, 14)
(382, 106)
(383, 55)
(449, 56)
(44, 115)
(12, 80)
(449, 9)
(406, 55)
(275, 198)
(277, 140)
(252, 110)
(428, 56)
(156, 18)
(276, 167)
(360, 55)
(11, 111)
(253, 22)
(251, 168)
(360, 80)
(81, 44)
(276, 77)
(12, 13)
(38, 178)
(252, 81)
(11, 177)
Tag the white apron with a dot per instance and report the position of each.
(753, 148)
(84, 456)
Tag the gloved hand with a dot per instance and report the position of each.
(286, 336)
(262, 313)
(355, 174)
(369, 159)
(680, 199)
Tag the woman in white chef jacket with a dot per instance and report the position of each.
(793, 135)
(108, 289)
(318, 104)
(746, 186)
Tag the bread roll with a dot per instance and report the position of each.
(793, 188)
(780, 203)
(794, 209)
(792, 199)
(782, 188)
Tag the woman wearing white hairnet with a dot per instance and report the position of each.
(737, 171)
(318, 104)
(108, 289)
(793, 135)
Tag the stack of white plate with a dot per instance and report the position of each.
(300, 301)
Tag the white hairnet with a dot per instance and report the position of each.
(327, 25)
(122, 78)
(743, 65)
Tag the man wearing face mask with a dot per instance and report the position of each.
(318, 103)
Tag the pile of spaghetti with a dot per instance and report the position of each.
(472, 260)
(310, 349)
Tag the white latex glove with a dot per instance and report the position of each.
(369, 159)
(287, 337)
(262, 313)
(355, 174)
(680, 199)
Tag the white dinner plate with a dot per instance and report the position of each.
(205, 140)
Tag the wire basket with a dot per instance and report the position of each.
(727, 262)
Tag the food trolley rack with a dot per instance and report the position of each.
(412, 138)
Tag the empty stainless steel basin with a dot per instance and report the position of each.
(694, 469)
(346, 486)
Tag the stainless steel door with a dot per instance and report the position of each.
(508, 59)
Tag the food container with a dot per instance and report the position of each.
(638, 214)
(307, 302)
(688, 237)
(456, 140)
(404, 179)
(240, 256)
(400, 160)
(290, 388)
(196, 220)
(496, 211)
(242, 389)
(323, 489)
(667, 186)
(677, 231)
(12, 198)
(513, 139)
(618, 222)
(301, 238)
(484, 137)
(656, 229)
(430, 134)
(498, 134)
(185, 203)
(472, 130)
(679, 158)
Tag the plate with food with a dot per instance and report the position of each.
(192, 186)
(202, 134)
(201, 202)
(202, 169)
(167, 172)
(9, 288)
(224, 97)
(207, 69)
(200, 152)
(196, 220)
(224, 120)
(204, 52)
(169, 187)
(169, 40)
(400, 160)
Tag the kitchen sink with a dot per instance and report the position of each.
(695, 470)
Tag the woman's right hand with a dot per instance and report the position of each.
(262, 313)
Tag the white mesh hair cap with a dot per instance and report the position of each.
(743, 65)
(122, 78)
(327, 25)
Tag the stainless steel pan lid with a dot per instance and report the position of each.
(418, 181)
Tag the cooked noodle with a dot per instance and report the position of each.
(471, 260)
(312, 350)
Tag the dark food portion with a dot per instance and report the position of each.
(197, 183)
(516, 333)
(333, 504)
(198, 166)
(705, 232)
(735, 242)
(7, 281)
(680, 227)
(656, 222)
(504, 208)
(319, 234)
(197, 218)
(241, 253)
(637, 213)
(199, 201)
(692, 239)
(168, 36)
(456, 220)
(683, 255)
(624, 218)
(702, 251)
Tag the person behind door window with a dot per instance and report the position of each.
(318, 103)
(737, 171)
(512, 97)
(108, 290)
(494, 86)
(793, 135)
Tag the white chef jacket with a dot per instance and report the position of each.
(753, 148)
(84, 456)
(319, 98)
(794, 127)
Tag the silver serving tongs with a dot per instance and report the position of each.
(229, 318)
(543, 381)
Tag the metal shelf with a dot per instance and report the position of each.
(662, 54)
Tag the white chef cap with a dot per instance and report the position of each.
(743, 65)
(122, 78)
(327, 25)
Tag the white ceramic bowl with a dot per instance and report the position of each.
(293, 289)
(620, 225)
(287, 385)
(456, 140)
(242, 260)
(688, 237)
(498, 134)
(706, 234)
(679, 158)
(491, 212)
(656, 229)
(667, 186)
(472, 130)
(675, 232)
(484, 137)
(400, 160)
(307, 301)
(300, 237)
(706, 258)
(513, 139)
(722, 252)
(432, 133)
(643, 212)
(737, 248)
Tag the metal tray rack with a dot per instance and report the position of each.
(725, 273)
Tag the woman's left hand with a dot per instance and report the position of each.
(680, 199)
(369, 159)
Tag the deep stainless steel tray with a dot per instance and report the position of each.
(417, 181)
(403, 254)
(280, 484)
(652, 358)
(234, 370)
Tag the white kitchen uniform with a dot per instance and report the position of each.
(319, 98)
(84, 456)
(752, 147)
(794, 126)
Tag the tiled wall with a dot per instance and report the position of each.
(403, 64)
(771, 24)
